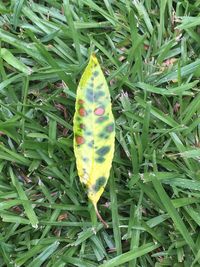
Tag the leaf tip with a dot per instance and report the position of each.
(93, 58)
(93, 55)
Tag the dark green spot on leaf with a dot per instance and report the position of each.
(110, 128)
(98, 95)
(102, 119)
(95, 73)
(88, 133)
(91, 143)
(103, 150)
(103, 135)
(100, 86)
(100, 160)
(89, 95)
(99, 183)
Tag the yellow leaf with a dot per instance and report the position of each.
(94, 131)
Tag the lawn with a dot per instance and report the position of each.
(149, 53)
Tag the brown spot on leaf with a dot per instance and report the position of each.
(81, 101)
(82, 126)
(82, 112)
(80, 140)
(99, 111)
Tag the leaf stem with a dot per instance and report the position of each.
(99, 217)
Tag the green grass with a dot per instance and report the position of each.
(149, 52)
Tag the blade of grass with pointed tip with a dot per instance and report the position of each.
(13, 61)
(22, 195)
(75, 34)
(130, 255)
(173, 214)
